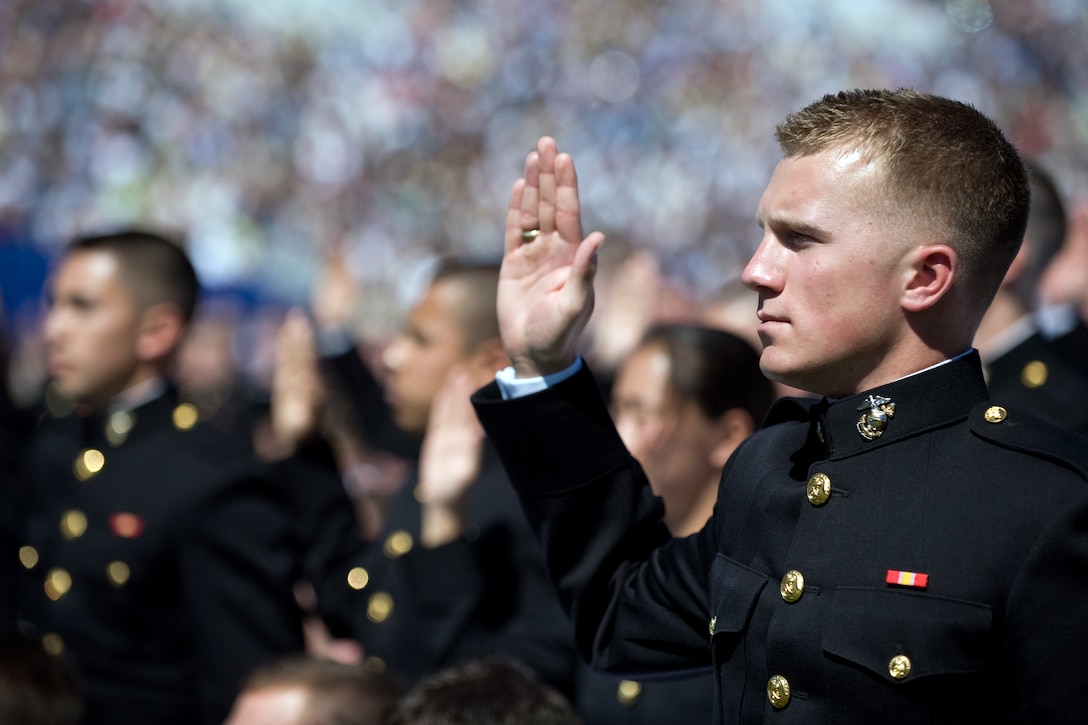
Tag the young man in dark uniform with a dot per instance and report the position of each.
(903, 550)
(151, 556)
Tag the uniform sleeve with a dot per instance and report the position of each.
(483, 593)
(1045, 622)
(238, 569)
(637, 597)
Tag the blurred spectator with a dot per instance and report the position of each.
(1025, 369)
(152, 554)
(303, 691)
(36, 687)
(455, 573)
(491, 691)
(683, 401)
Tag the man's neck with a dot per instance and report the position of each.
(136, 395)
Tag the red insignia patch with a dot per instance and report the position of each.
(907, 578)
(127, 526)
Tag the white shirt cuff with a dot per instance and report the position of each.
(512, 386)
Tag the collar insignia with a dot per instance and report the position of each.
(878, 411)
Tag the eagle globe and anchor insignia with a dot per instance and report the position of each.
(878, 411)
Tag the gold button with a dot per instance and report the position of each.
(778, 692)
(399, 543)
(89, 463)
(995, 414)
(57, 583)
(358, 578)
(28, 555)
(792, 586)
(379, 608)
(1034, 374)
(73, 524)
(118, 427)
(53, 644)
(819, 489)
(118, 573)
(899, 667)
(713, 623)
(185, 416)
(628, 692)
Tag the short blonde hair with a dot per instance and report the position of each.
(945, 166)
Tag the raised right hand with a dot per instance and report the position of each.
(546, 284)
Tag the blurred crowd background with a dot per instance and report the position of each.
(273, 134)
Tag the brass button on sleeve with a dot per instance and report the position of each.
(995, 414)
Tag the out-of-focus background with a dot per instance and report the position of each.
(270, 133)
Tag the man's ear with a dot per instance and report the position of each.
(161, 328)
(734, 426)
(930, 272)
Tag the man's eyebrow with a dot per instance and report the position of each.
(794, 225)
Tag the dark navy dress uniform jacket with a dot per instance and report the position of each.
(980, 510)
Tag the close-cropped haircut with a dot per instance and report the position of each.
(1045, 234)
(714, 368)
(479, 282)
(154, 269)
(489, 691)
(946, 167)
(336, 693)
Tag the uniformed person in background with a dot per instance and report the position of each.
(683, 401)
(1024, 366)
(161, 568)
(454, 573)
(902, 550)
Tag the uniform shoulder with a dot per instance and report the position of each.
(1016, 430)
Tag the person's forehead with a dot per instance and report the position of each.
(812, 189)
(87, 268)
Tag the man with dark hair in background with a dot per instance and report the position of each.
(1024, 365)
(454, 574)
(151, 556)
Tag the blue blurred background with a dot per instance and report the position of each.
(269, 133)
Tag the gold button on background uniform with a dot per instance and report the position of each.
(53, 644)
(792, 586)
(73, 524)
(778, 692)
(899, 667)
(819, 489)
(118, 573)
(399, 543)
(185, 416)
(57, 583)
(995, 414)
(28, 556)
(118, 427)
(627, 692)
(379, 608)
(1034, 374)
(89, 463)
(358, 578)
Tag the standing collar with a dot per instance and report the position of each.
(931, 398)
